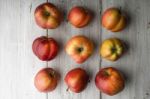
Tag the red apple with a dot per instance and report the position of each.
(46, 80)
(77, 80)
(45, 48)
(80, 48)
(48, 16)
(110, 81)
(79, 16)
(114, 19)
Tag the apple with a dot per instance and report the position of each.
(80, 48)
(109, 81)
(77, 80)
(112, 49)
(46, 80)
(79, 16)
(114, 19)
(45, 48)
(48, 16)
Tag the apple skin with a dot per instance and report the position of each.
(114, 20)
(47, 16)
(45, 48)
(46, 80)
(112, 49)
(109, 81)
(79, 17)
(80, 48)
(77, 80)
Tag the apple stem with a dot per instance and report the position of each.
(53, 73)
(89, 81)
(67, 89)
(120, 8)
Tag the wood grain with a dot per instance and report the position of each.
(18, 64)
(135, 63)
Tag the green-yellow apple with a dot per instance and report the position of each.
(112, 49)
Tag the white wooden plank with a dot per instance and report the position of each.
(31, 63)
(18, 65)
(135, 63)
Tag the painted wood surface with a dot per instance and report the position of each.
(18, 64)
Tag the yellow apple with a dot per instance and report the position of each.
(112, 49)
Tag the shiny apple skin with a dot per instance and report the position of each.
(110, 81)
(80, 48)
(48, 16)
(77, 80)
(112, 49)
(114, 20)
(46, 80)
(79, 17)
(45, 48)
